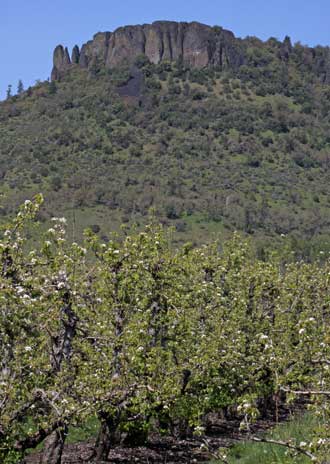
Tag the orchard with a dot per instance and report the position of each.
(146, 337)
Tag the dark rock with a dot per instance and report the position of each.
(135, 85)
(96, 50)
(126, 43)
(196, 44)
(61, 62)
(83, 59)
(75, 55)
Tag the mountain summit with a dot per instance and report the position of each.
(198, 45)
(194, 44)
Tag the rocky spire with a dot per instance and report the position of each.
(61, 61)
(75, 56)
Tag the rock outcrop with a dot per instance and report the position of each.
(75, 57)
(196, 44)
(61, 62)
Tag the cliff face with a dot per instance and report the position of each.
(196, 44)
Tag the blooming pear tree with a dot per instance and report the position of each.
(39, 317)
(149, 338)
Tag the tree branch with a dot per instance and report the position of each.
(285, 444)
(33, 440)
(306, 392)
(321, 361)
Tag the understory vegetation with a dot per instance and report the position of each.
(266, 453)
(147, 337)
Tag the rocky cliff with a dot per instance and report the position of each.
(198, 45)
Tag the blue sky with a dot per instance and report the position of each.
(30, 29)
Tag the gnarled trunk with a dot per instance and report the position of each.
(106, 438)
(103, 443)
(54, 445)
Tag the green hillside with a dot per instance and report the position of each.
(209, 151)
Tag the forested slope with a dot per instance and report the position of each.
(209, 150)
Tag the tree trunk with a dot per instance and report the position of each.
(54, 445)
(105, 439)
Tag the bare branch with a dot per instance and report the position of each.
(285, 444)
(306, 392)
(321, 361)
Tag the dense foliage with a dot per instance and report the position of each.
(146, 337)
(210, 150)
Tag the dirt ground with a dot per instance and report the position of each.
(165, 450)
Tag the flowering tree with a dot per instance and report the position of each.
(38, 327)
(146, 337)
